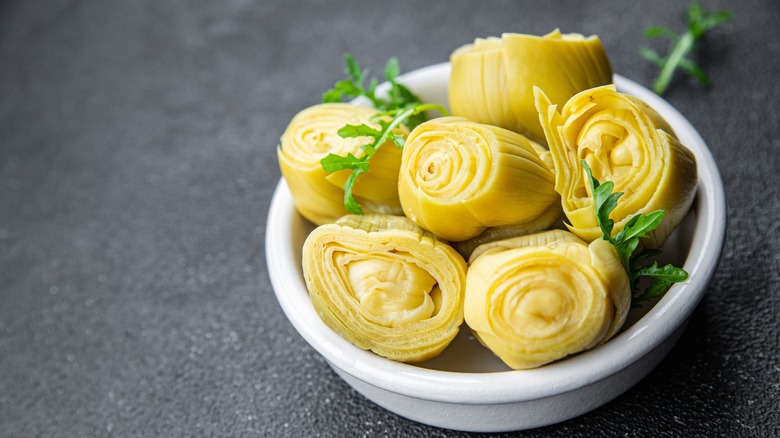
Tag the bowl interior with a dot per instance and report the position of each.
(473, 371)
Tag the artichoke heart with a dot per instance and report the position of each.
(538, 298)
(459, 178)
(492, 79)
(385, 284)
(318, 195)
(623, 140)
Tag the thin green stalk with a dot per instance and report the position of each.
(684, 45)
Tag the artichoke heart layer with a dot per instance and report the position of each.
(459, 178)
(318, 195)
(538, 298)
(623, 140)
(385, 284)
(492, 79)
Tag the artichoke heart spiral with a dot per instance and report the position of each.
(318, 195)
(623, 140)
(385, 284)
(492, 79)
(459, 178)
(538, 298)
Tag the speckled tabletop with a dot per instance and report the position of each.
(137, 163)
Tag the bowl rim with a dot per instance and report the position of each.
(570, 374)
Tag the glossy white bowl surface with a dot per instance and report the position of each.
(467, 387)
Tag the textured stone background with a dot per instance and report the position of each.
(137, 162)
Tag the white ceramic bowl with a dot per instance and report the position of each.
(466, 387)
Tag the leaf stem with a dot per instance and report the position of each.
(405, 114)
(681, 48)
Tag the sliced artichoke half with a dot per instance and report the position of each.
(385, 284)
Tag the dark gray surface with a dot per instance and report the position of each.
(137, 161)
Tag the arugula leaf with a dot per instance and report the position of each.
(627, 241)
(699, 23)
(662, 278)
(640, 226)
(353, 86)
(604, 200)
(358, 131)
(334, 163)
(398, 96)
(392, 69)
(359, 165)
(400, 104)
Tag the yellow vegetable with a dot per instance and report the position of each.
(625, 141)
(385, 284)
(538, 298)
(492, 79)
(319, 196)
(459, 178)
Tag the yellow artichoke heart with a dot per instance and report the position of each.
(311, 136)
(625, 141)
(492, 79)
(538, 298)
(459, 178)
(385, 284)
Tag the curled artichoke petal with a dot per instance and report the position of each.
(385, 284)
(311, 136)
(492, 79)
(538, 298)
(459, 178)
(625, 141)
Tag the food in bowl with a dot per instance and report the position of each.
(466, 386)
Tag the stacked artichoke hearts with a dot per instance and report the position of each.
(625, 141)
(385, 284)
(311, 136)
(492, 79)
(538, 298)
(459, 177)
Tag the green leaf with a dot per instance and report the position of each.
(369, 150)
(640, 225)
(667, 273)
(372, 89)
(660, 31)
(392, 69)
(715, 18)
(695, 13)
(348, 88)
(331, 96)
(399, 141)
(652, 56)
(662, 278)
(604, 201)
(363, 130)
(334, 163)
(692, 69)
(626, 248)
(350, 204)
(353, 69)
(654, 290)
